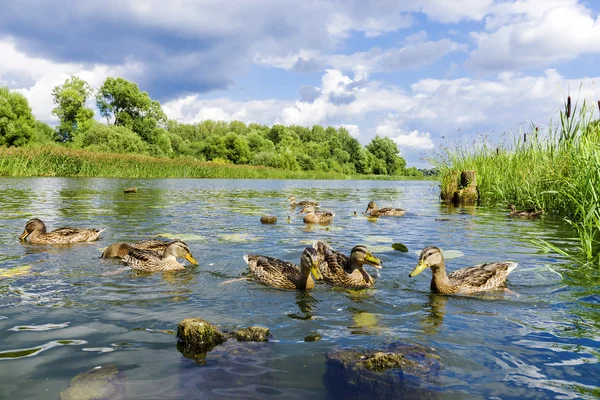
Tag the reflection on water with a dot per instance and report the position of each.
(538, 341)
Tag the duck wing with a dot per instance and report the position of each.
(482, 276)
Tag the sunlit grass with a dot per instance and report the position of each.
(556, 170)
(59, 161)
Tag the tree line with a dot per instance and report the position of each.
(135, 123)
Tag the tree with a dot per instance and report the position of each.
(17, 124)
(123, 102)
(385, 149)
(70, 98)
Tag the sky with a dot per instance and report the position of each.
(425, 73)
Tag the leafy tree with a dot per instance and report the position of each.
(237, 147)
(113, 139)
(73, 115)
(385, 149)
(17, 124)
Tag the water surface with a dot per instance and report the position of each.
(65, 310)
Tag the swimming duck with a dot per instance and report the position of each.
(285, 275)
(153, 245)
(340, 270)
(466, 280)
(292, 200)
(531, 213)
(373, 211)
(35, 232)
(313, 216)
(150, 260)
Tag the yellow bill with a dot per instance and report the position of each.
(373, 261)
(191, 259)
(23, 235)
(316, 272)
(418, 269)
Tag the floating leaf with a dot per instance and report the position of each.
(18, 271)
(186, 237)
(379, 248)
(399, 247)
(448, 254)
(238, 238)
(378, 239)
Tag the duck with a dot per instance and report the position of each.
(313, 216)
(285, 275)
(374, 211)
(151, 260)
(153, 245)
(35, 232)
(531, 213)
(292, 200)
(478, 278)
(338, 269)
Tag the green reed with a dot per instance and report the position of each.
(65, 162)
(557, 170)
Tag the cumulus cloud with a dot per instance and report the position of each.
(413, 140)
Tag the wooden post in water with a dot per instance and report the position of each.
(449, 188)
(466, 194)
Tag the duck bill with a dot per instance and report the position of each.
(23, 235)
(418, 269)
(316, 272)
(191, 259)
(372, 261)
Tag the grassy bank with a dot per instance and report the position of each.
(557, 170)
(59, 161)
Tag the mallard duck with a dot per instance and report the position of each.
(285, 275)
(374, 211)
(340, 270)
(531, 213)
(313, 216)
(154, 245)
(35, 232)
(466, 280)
(292, 200)
(151, 260)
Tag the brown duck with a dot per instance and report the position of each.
(285, 275)
(313, 216)
(340, 270)
(151, 260)
(153, 245)
(466, 280)
(35, 232)
(374, 211)
(304, 203)
(531, 213)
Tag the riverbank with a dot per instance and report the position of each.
(557, 171)
(64, 162)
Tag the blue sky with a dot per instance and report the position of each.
(422, 72)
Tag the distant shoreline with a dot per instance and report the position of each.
(64, 162)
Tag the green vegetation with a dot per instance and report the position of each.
(136, 124)
(557, 171)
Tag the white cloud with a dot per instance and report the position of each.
(353, 130)
(413, 140)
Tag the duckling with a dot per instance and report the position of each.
(292, 200)
(313, 216)
(340, 270)
(35, 232)
(148, 260)
(285, 275)
(466, 280)
(531, 213)
(373, 211)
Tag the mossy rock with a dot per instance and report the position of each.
(400, 370)
(196, 337)
(268, 219)
(251, 334)
(97, 383)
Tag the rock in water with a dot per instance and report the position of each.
(399, 371)
(251, 334)
(97, 383)
(268, 219)
(196, 337)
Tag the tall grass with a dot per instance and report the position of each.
(60, 161)
(557, 171)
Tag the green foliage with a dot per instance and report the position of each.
(17, 125)
(111, 139)
(557, 171)
(385, 150)
(73, 116)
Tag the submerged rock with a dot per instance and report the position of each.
(196, 337)
(400, 370)
(268, 219)
(251, 334)
(97, 383)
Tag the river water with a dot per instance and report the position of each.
(63, 310)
